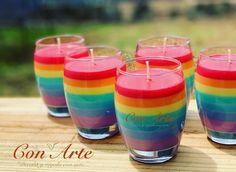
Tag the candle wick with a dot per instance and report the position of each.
(164, 45)
(92, 56)
(58, 43)
(229, 56)
(148, 71)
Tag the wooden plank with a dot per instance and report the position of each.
(25, 120)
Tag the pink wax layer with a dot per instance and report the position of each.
(160, 85)
(84, 69)
(55, 55)
(217, 67)
(183, 54)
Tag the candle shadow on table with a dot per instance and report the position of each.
(113, 144)
(63, 121)
(193, 123)
(187, 159)
(229, 149)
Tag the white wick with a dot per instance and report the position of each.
(229, 56)
(148, 70)
(164, 45)
(58, 43)
(91, 55)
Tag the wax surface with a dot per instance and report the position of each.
(85, 69)
(216, 93)
(56, 55)
(160, 85)
(218, 67)
(89, 90)
(181, 53)
(151, 114)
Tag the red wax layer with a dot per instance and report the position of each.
(217, 67)
(86, 70)
(159, 86)
(158, 62)
(54, 55)
(183, 54)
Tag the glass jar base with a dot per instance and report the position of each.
(99, 133)
(153, 157)
(60, 112)
(222, 137)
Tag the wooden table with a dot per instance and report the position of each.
(25, 121)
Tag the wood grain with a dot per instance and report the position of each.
(25, 120)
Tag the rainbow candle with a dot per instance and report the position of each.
(49, 65)
(174, 47)
(151, 112)
(216, 94)
(89, 87)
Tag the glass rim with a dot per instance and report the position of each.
(202, 53)
(117, 53)
(80, 40)
(176, 69)
(188, 41)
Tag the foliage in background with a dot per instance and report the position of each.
(211, 10)
(100, 22)
(142, 11)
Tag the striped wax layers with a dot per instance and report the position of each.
(49, 77)
(151, 121)
(89, 92)
(188, 70)
(91, 103)
(49, 67)
(216, 99)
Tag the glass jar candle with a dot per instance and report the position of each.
(49, 65)
(150, 107)
(215, 83)
(89, 88)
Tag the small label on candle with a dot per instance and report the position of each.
(150, 121)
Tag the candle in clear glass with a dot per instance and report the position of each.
(215, 83)
(170, 46)
(48, 66)
(150, 107)
(89, 88)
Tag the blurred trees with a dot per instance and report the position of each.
(211, 10)
(20, 20)
(142, 10)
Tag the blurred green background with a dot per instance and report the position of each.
(120, 23)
